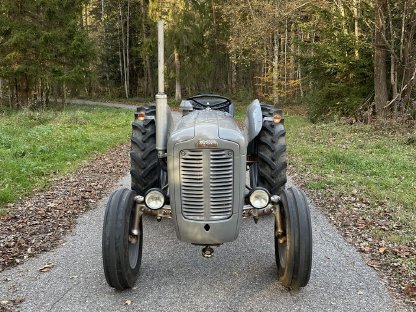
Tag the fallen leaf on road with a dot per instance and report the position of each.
(47, 267)
(410, 290)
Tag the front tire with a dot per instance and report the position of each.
(293, 250)
(121, 252)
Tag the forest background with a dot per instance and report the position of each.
(352, 58)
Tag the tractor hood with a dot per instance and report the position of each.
(206, 126)
(206, 173)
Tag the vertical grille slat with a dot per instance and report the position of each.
(216, 201)
(221, 183)
(192, 184)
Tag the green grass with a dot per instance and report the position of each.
(35, 146)
(360, 160)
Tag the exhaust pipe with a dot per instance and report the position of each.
(161, 98)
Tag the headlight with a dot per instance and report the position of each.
(154, 199)
(259, 198)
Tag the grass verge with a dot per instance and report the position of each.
(364, 178)
(36, 145)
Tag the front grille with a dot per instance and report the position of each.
(206, 178)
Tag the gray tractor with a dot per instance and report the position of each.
(195, 173)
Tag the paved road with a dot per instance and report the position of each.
(175, 277)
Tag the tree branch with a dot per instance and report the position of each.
(403, 89)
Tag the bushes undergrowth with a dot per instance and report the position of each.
(334, 100)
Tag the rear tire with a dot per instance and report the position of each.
(270, 147)
(121, 255)
(293, 251)
(145, 169)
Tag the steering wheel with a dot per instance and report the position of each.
(221, 105)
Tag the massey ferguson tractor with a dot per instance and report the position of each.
(205, 174)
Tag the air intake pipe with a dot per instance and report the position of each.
(161, 98)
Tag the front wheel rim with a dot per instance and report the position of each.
(133, 244)
(282, 249)
(282, 242)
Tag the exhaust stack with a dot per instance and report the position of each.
(161, 98)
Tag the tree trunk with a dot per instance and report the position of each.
(343, 17)
(26, 90)
(41, 91)
(147, 71)
(393, 62)
(123, 42)
(299, 65)
(292, 74)
(178, 94)
(403, 30)
(16, 93)
(120, 54)
(233, 74)
(409, 52)
(102, 10)
(285, 54)
(86, 17)
(356, 12)
(64, 93)
(380, 54)
(275, 68)
(47, 92)
(128, 50)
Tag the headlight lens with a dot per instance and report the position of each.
(259, 198)
(154, 199)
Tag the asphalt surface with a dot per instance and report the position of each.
(241, 276)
